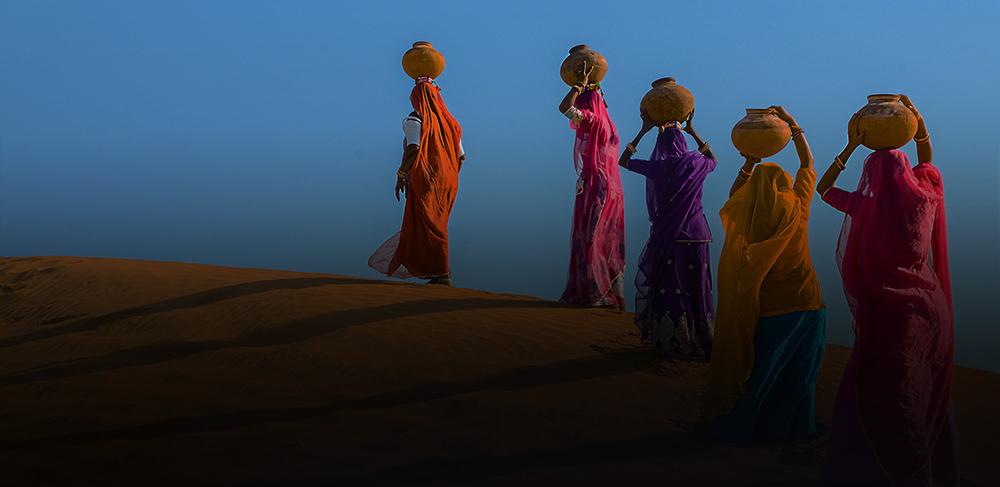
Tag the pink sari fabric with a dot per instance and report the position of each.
(597, 256)
(893, 421)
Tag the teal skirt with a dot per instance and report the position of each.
(781, 392)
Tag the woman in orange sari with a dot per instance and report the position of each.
(771, 325)
(428, 175)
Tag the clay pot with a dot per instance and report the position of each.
(667, 101)
(423, 60)
(886, 123)
(761, 133)
(572, 66)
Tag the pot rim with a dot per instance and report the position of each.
(761, 111)
(883, 97)
(422, 44)
(579, 47)
(663, 81)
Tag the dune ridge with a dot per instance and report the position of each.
(130, 372)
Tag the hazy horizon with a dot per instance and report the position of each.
(259, 134)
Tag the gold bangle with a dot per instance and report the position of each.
(706, 148)
(839, 163)
(921, 140)
(744, 174)
(797, 132)
(631, 148)
(401, 174)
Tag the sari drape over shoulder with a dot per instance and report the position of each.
(673, 304)
(764, 270)
(420, 249)
(894, 411)
(597, 253)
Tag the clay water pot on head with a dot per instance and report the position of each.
(422, 60)
(572, 67)
(886, 123)
(667, 101)
(761, 133)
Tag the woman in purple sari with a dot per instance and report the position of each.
(673, 301)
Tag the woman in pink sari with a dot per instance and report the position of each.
(597, 255)
(893, 422)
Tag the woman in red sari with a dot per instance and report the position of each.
(432, 157)
(597, 252)
(894, 422)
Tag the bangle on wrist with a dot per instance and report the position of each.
(401, 174)
(797, 131)
(630, 148)
(705, 148)
(921, 140)
(744, 174)
(839, 163)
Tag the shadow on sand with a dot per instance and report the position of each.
(276, 335)
(511, 380)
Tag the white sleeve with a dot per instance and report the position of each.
(411, 130)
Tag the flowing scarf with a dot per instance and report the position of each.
(420, 249)
(598, 249)
(674, 175)
(902, 307)
(759, 220)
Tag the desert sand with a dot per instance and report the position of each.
(120, 372)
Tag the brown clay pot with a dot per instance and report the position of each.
(886, 123)
(423, 60)
(761, 133)
(572, 66)
(667, 101)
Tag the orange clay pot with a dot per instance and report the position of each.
(571, 70)
(423, 60)
(886, 123)
(667, 101)
(761, 133)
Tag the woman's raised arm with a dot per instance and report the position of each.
(922, 138)
(798, 137)
(839, 163)
(575, 90)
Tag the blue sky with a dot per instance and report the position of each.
(266, 134)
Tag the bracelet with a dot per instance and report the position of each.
(839, 163)
(705, 148)
(921, 140)
(631, 148)
(744, 174)
(797, 131)
(401, 174)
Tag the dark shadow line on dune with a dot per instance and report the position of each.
(617, 363)
(468, 469)
(195, 300)
(281, 334)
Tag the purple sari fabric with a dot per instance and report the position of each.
(673, 304)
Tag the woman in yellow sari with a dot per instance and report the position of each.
(771, 323)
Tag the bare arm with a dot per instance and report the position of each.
(409, 157)
(922, 138)
(840, 163)
(744, 174)
(798, 138)
(570, 98)
(703, 146)
(629, 149)
(575, 90)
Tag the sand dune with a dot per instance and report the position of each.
(149, 373)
